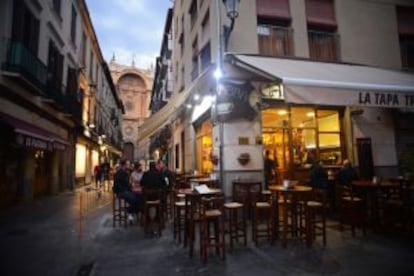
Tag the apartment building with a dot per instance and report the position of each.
(305, 79)
(56, 97)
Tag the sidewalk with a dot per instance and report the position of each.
(43, 238)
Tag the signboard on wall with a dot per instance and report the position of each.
(233, 101)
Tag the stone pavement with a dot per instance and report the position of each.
(45, 237)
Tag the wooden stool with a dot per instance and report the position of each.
(315, 210)
(119, 211)
(153, 203)
(178, 216)
(352, 211)
(262, 216)
(212, 218)
(236, 222)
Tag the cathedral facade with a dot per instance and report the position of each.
(134, 89)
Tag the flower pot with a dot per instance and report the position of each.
(243, 161)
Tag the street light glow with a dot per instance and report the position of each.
(218, 74)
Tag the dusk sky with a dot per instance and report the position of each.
(129, 28)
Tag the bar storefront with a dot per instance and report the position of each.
(304, 111)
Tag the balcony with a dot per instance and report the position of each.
(275, 40)
(21, 61)
(323, 45)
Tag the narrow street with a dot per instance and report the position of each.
(44, 238)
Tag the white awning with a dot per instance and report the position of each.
(166, 114)
(323, 83)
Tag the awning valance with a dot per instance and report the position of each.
(323, 83)
(165, 114)
(31, 136)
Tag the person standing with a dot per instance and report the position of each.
(270, 166)
(165, 173)
(122, 189)
(97, 171)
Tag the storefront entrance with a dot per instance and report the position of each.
(204, 147)
(298, 136)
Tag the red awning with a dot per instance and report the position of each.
(29, 135)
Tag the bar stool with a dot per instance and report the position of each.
(351, 211)
(119, 211)
(262, 224)
(316, 216)
(178, 215)
(212, 218)
(236, 218)
(153, 210)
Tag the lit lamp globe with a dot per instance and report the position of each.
(232, 8)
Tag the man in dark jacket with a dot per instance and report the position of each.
(318, 178)
(122, 189)
(153, 179)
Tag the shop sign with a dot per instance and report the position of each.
(58, 146)
(33, 142)
(233, 101)
(385, 99)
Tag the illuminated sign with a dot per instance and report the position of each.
(273, 92)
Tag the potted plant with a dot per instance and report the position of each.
(243, 158)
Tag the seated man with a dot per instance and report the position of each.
(123, 190)
(318, 176)
(346, 174)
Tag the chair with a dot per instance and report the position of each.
(153, 214)
(212, 226)
(236, 222)
(119, 211)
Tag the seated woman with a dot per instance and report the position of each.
(135, 178)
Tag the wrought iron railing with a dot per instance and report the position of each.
(323, 45)
(20, 60)
(275, 40)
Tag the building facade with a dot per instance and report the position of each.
(307, 80)
(134, 89)
(45, 98)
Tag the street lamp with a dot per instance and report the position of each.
(232, 8)
(232, 11)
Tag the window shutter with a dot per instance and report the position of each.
(320, 13)
(18, 20)
(273, 8)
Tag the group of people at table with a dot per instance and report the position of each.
(131, 185)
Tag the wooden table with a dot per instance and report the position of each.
(211, 183)
(192, 200)
(369, 191)
(288, 194)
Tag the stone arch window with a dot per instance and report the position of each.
(130, 87)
